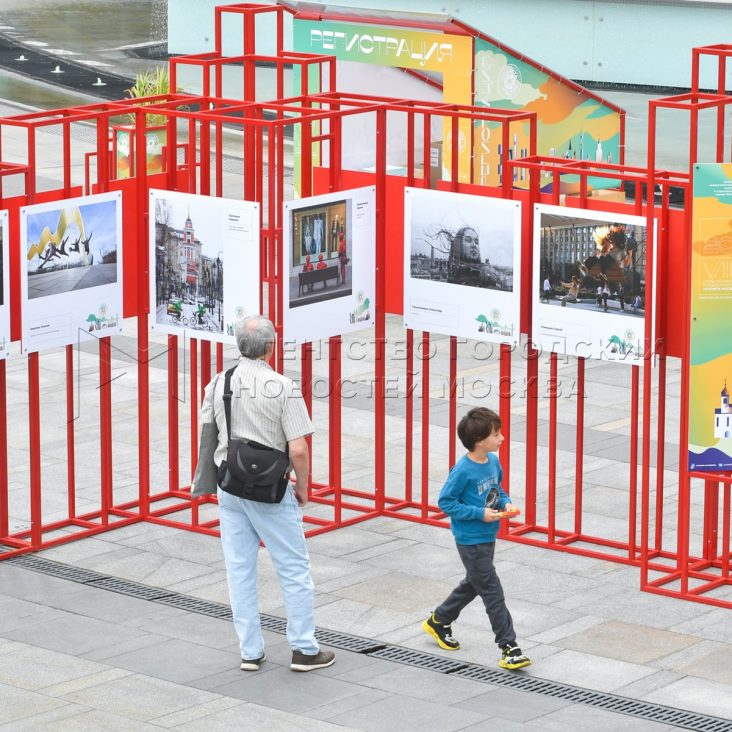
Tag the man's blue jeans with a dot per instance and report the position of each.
(279, 525)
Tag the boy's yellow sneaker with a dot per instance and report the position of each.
(512, 658)
(441, 632)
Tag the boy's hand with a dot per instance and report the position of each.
(490, 515)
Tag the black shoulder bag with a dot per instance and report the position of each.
(252, 471)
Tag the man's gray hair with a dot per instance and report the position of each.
(254, 335)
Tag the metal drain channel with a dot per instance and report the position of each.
(610, 702)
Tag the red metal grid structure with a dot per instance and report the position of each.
(684, 573)
(320, 117)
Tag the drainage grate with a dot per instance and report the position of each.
(417, 658)
(374, 649)
(276, 625)
(347, 642)
(609, 702)
(125, 587)
(56, 569)
(194, 605)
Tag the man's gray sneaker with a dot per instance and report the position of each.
(302, 662)
(252, 664)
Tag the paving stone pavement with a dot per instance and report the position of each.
(73, 656)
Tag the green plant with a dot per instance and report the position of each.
(150, 83)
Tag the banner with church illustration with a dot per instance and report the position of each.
(71, 270)
(4, 287)
(571, 122)
(204, 264)
(710, 414)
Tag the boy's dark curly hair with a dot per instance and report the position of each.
(476, 425)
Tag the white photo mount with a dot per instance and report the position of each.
(601, 313)
(462, 265)
(204, 264)
(71, 270)
(329, 264)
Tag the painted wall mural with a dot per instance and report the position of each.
(571, 124)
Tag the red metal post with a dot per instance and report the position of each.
(70, 422)
(34, 434)
(409, 418)
(425, 448)
(173, 435)
(4, 523)
(334, 422)
(579, 446)
(380, 315)
(552, 497)
(633, 497)
(452, 419)
(194, 404)
(105, 427)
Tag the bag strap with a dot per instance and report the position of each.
(228, 393)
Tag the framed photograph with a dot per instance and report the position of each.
(589, 283)
(329, 260)
(71, 270)
(204, 264)
(462, 260)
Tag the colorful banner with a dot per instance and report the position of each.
(423, 50)
(570, 123)
(710, 414)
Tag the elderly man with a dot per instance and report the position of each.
(266, 408)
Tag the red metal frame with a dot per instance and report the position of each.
(678, 571)
(681, 573)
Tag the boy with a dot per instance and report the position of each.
(472, 497)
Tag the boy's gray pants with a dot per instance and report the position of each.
(481, 579)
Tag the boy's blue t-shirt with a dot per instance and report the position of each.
(470, 488)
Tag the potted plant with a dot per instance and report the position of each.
(148, 83)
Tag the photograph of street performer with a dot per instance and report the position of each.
(593, 265)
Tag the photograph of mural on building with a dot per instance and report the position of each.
(322, 253)
(71, 247)
(189, 264)
(462, 259)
